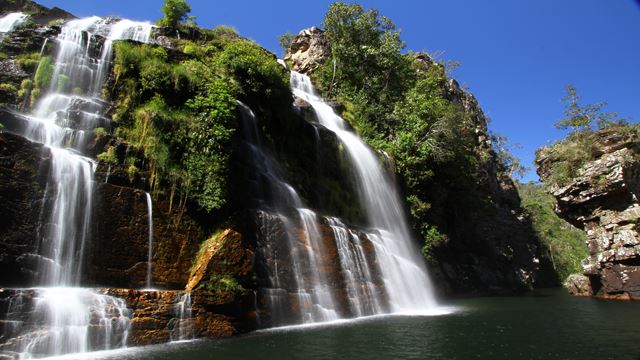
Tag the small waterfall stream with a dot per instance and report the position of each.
(183, 327)
(150, 243)
(12, 21)
(66, 318)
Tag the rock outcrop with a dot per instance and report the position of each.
(308, 50)
(603, 200)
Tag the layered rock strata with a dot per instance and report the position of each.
(603, 200)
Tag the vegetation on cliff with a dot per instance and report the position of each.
(406, 105)
(178, 108)
(579, 147)
(565, 243)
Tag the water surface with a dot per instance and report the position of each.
(544, 325)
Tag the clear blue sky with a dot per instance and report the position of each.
(516, 56)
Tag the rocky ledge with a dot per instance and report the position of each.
(603, 200)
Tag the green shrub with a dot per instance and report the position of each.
(44, 73)
(8, 88)
(100, 132)
(108, 156)
(566, 244)
(222, 285)
(28, 62)
(432, 239)
(25, 87)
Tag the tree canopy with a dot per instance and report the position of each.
(584, 117)
(175, 12)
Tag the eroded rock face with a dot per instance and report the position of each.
(603, 200)
(24, 170)
(308, 50)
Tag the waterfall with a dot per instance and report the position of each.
(183, 323)
(123, 29)
(150, 246)
(12, 21)
(310, 288)
(361, 292)
(405, 277)
(66, 318)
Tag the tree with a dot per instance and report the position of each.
(175, 12)
(584, 118)
(367, 70)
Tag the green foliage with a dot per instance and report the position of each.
(367, 67)
(25, 87)
(432, 239)
(3, 56)
(206, 156)
(222, 285)
(585, 118)
(181, 115)
(28, 62)
(155, 75)
(506, 158)
(566, 244)
(285, 40)
(8, 88)
(567, 157)
(175, 12)
(44, 73)
(108, 156)
(255, 71)
(100, 132)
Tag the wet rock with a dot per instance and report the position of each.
(118, 251)
(225, 254)
(24, 168)
(578, 285)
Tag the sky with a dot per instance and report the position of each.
(515, 56)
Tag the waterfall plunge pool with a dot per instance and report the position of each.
(543, 325)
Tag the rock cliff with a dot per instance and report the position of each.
(602, 199)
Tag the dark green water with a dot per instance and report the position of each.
(546, 325)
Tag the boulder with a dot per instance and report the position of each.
(578, 285)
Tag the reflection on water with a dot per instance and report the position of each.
(546, 325)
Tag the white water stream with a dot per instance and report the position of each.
(12, 21)
(65, 318)
(406, 281)
(150, 242)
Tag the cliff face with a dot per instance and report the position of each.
(490, 244)
(603, 200)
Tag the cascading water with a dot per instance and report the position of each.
(68, 319)
(12, 21)
(405, 278)
(150, 243)
(183, 324)
(314, 300)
